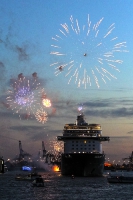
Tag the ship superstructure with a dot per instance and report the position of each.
(83, 155)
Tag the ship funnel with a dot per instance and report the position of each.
(80, 120)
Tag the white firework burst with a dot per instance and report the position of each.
(86, 53)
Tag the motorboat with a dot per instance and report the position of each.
(38, 182)
(120, 177)
(28, 177)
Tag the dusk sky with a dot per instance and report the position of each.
(82, 52)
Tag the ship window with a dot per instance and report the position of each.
(84, 141)
(72, 141)
(93, 145)
(93, 148)
(76, 148)
(77, 141)
(72, 144)
(72, 148)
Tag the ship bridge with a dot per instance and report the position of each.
(82, 130)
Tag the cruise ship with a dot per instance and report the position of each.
(83, 155)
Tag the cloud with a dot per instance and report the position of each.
(22, 52)
(120, 137)
(6, 39)
(99, 103)
(26, 128)
(6, 115)
(1, 65)
(130, 132)
(2, 72)
(118, 112)
(35, 132)
(97, 108)
(109, 108)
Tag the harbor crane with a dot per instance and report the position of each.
(22, 153)
(43, 150)
(130, 158)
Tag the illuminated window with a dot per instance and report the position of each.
(84, 141)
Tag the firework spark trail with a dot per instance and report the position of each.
(56, 150)
(56, 146)
(86, 53)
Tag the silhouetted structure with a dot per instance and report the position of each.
(22, 153)
(1, 165)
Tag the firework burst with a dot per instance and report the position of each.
(46, 103)
(56, 146)
(41, 115)
(86, 53)
(24, 95)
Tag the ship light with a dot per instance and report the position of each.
(85, 141)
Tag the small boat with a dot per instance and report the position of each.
(38, 182)
(72, 176)
(28, 177)
(120, 177)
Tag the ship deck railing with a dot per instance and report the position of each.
(68, 137)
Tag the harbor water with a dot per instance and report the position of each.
(59, 187)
